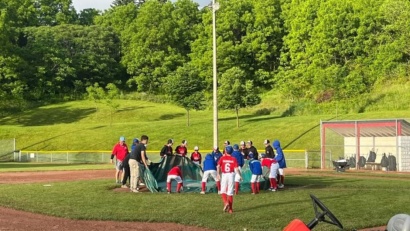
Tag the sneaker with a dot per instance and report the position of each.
(169, 192)
(270, 189)
(142, 183)
(253, 193)
(202, 192)
(135, 190)
(230, 211)
(281, 186)
(219, 192)
(226, 207)
(273, 190)
(124, 186)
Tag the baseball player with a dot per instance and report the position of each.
(174, 174)
(196, 156)
(280, 158)
(273, 167)
(120, 150)
(216, 154)
(228, 166)
(209, 170)
(181, 149)
(239, 158)
(256, 168)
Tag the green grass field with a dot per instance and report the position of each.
(357, 199)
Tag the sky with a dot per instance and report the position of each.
(105, 4)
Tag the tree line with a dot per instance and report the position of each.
(320, 50)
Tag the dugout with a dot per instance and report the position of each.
(369, 140)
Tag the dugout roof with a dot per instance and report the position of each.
(369, 128)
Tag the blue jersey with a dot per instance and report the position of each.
(239, 158)
(217, 156)
(209, 163)
(256, 167)
(280, 157)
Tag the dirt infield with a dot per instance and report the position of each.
(11, 219)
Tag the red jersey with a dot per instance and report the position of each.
(228, 163)
(196, 156)
(120, 151)
(267, 162)
(175, 171)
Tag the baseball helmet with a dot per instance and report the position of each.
(251, 156)
(235, 147)
(229, 149)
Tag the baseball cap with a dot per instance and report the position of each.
(263, 155)
(266, 142)
(122, 138)
(242, 143)
(135, 140)
(227, 142)
(184, 142)
(196, 148)
(170, 141)
(235, 147)
(249, 142)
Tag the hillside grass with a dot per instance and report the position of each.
(357, 199)
(84, 125)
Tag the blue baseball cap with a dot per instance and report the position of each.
(122, 138)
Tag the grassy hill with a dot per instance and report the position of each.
(81, 125)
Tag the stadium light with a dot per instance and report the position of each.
(215, 7)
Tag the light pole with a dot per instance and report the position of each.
(215, 7)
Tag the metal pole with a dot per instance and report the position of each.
(215, 7)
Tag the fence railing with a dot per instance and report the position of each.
(295, 158)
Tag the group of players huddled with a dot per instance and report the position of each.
(224, 168)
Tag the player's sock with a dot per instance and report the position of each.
(236, 188)
(203, 186)
(179, 185)
(275, 183)
(258, 187)
(224, 198)
(230, 201)
(218, 185)
(169, 186)
(253, 187)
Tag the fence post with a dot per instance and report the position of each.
(306, 159)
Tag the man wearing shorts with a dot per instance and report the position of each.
(120, 150)
(227, 167)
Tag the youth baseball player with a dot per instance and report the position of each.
(256, 168)
(273, 167)
(209, 170)
(174, 174)
(227, 167)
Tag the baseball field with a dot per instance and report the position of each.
(85, 197)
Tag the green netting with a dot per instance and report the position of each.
(156, 177)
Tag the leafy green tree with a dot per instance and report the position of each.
(156, 44)
(110, 97)
(86, 17)
(186, 89)
(236, 92)
(95, 93)
(116, 3)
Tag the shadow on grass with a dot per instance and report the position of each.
(263, 118)
(170, 116)
(49, 116)
(131, 108)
